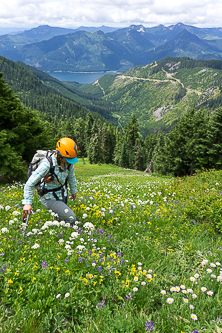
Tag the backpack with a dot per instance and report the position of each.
(40, 186)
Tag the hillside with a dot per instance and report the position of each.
(90, 49)
(160, 92)
(46, 94)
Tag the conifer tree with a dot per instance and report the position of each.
(158, 156)
(22, 133)
(214, 140)
(118, 145)
(88, 129)
(139, 156)
(124, 156)
(95, 154)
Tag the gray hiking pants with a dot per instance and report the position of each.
(60, 208)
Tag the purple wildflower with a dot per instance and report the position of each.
(220, 249)
(80, 259)
(129, 296)
(119, 254)
(2, 254)
(44, 264)
(149, 325)
(195, 331)
(66, 261)
(100, 305)
(99, 268)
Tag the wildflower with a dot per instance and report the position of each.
(84, 216)
(35, 246)
(177, 289)
(182, 286)
(191, 306)
(139, 264)
(210, 293)
(4, 230)
(44, 264)
(66, 210)
(58, 295)
(194, 296)
(186, 300)
(203, 289)
(209, 270)
(74, 234)
(190, 291)
(196, 275)
(93, 264)
(217, 263)
(219, 278)
(143, 283)
(212, 265)
(10, 281)
(192, 279)
(193, 316)
(184, 291)
(135, 289)
(80, 247)
(213, 276)
(136, 278)
(149, 276)
(149, 325)
(66, 261)
(204, 262)
(163, 292)
(172, 289)
(67, 295)
(170, 300)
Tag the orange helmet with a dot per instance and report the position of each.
(68, 149)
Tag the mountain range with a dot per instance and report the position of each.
(104, 49)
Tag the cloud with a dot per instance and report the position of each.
(73, 13)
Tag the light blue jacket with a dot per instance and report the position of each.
(41, 172)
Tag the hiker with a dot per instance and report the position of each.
(53, 186)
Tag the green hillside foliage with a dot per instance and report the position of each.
(21, 132)
(50, 96)
(161, 92)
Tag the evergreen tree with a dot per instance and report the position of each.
(139, 157)
(124, 157)
(95, 153)
(158, 156)
(214, 140)
(22, 133)
(118, 146)
(88, 129)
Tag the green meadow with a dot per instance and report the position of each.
(144, 256)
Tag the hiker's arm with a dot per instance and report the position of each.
(72, 181)
(33, 180)
(27, 209)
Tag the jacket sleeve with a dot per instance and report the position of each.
(72, 180)
(33, 180)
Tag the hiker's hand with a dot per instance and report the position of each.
(27, 209)
(73, 196)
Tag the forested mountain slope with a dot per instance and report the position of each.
(160, 92)
(42, 92)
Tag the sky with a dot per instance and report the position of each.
(113, 13)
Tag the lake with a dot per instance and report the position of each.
(80, 77)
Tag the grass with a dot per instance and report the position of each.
(151, 243)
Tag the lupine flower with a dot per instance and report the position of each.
(149, 325)
(44, 264)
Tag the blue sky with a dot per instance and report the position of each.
(115, 13)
